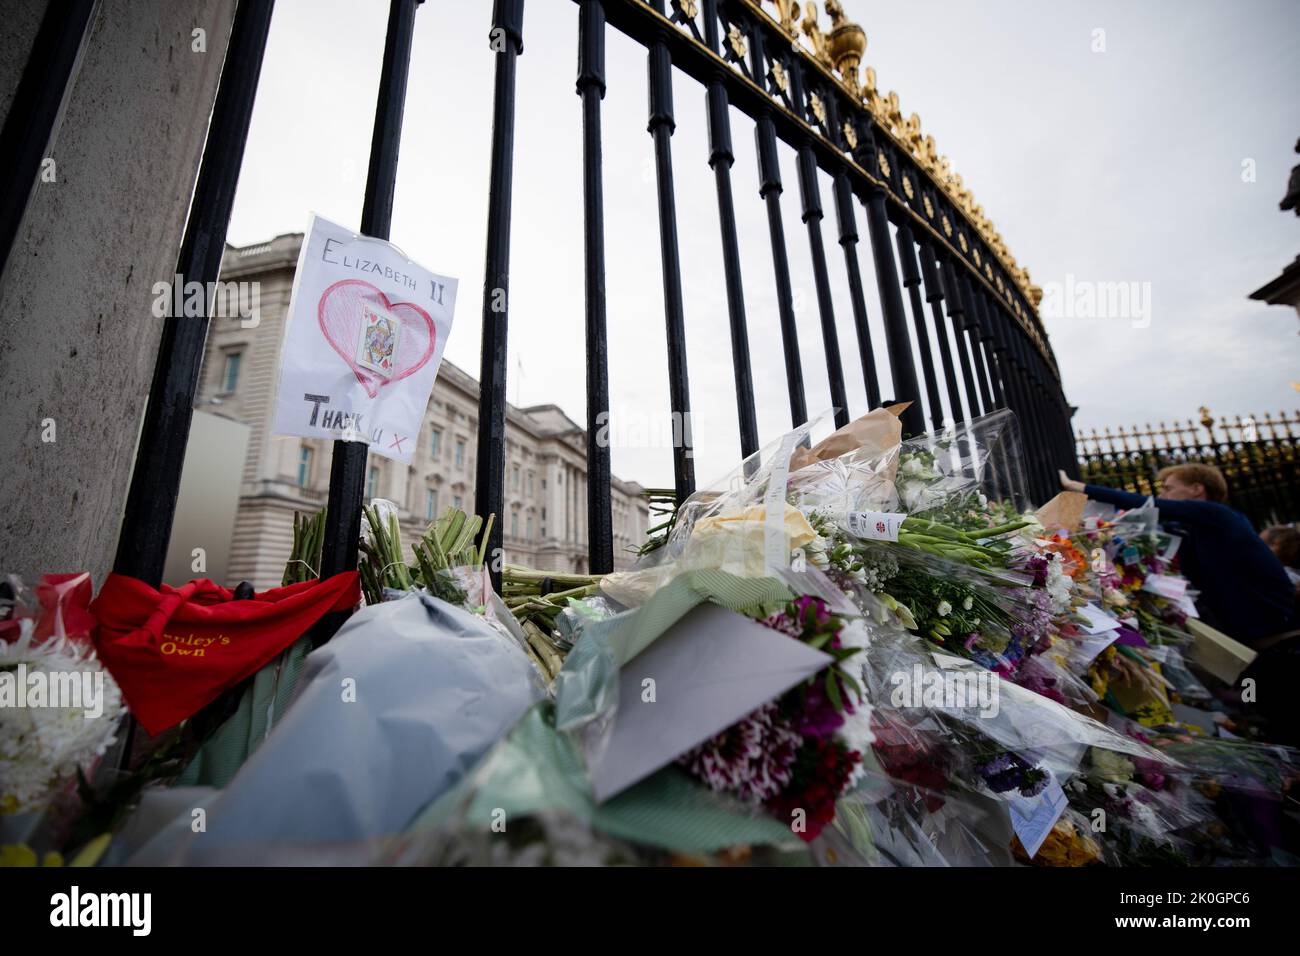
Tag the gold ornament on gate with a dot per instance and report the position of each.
(779, 78)
(818, 108)
(846, 44)
(736, 40)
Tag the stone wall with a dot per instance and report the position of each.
(77, 335)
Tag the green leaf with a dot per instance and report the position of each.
(833, 689)
(820, 640)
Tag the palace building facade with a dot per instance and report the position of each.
(544, 525)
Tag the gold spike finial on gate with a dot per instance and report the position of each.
(929, 154)
(912, 135)
(893, 113)
(870, 96)
(816, 39)
(786, 13)
(840, 50)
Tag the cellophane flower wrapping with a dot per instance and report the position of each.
(45, 636)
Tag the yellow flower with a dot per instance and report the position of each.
(737, 543)
(1066, 845)
(20, 854)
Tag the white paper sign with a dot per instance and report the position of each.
(1090, 645)
(1033, 817)
(1097, 619)
(363, 341)
(1166, 585)
(875, 525)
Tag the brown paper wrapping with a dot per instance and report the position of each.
(1065, 511)
(877, 431)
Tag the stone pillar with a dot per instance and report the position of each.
(77, 334)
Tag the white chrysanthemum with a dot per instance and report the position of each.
(1060, 585)
(856, 734)
(944, 609)
(855, 634)
(42, 747)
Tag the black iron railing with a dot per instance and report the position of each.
(810, 98)
(801, 88)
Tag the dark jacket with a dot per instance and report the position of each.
(1245, 591)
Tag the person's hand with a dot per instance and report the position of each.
(1068, 483)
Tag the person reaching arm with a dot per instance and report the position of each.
(1244, 589)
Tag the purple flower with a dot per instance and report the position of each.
(1007, 771)
(752, 758)
(1037, 566)
(818, 716)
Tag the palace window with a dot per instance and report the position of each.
(435, 443)
(372, 482)
(430, 504)
(230, 374)
(304, 466)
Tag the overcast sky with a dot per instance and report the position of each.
(1122, 165)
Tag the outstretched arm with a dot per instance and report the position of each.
(1178, 510)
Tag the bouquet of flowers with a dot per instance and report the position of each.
(801, 752)
(59, 707)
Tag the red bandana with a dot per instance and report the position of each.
(174, 651)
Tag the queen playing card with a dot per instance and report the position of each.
(378, 340)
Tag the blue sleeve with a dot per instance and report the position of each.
(1113, 496)
(1191, 512)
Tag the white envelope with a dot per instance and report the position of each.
(1098, 620)
(1166, 585)
(710, 669)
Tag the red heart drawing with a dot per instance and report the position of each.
(340, 314)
